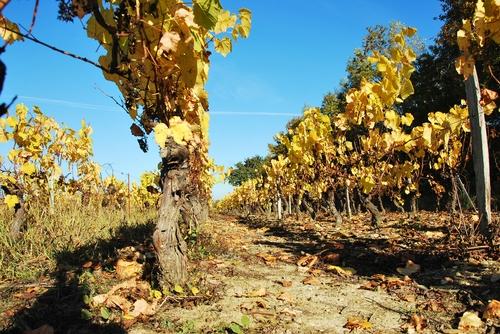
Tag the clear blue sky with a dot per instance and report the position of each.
(297, 52)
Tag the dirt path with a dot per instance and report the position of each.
(258, 275)
(262, 274)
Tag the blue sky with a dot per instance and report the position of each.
(296, 53)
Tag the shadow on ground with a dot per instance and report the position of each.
(61, 305)
(439, 259)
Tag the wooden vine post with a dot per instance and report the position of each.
(480, 153)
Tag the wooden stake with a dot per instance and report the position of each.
(479, 152)
(128, 194)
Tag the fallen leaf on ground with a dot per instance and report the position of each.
(268, 258)
(311, 280)
(433, 305)
(247, 306)
(87, 264)
(262, 292)
(314, 272)
(142, 307)
(119, 302)
(470, 322)
(29, 293)
(434, 234)
(195, 291)
(418, 322)
(357, 323)
(127, 269)
(307, 261)
(285, 283)
(100, 299)
(409, 297)
(492, 311)
(369, 285)
(286, 297)
(409, 269)
(345, 272)
(332, 258)
(261, 303)
(178, 289)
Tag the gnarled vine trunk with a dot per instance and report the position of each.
(19, 221)
(168, 242)
(333, 208)
(376, 216)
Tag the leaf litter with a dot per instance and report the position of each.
(315, 277)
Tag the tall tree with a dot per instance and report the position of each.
(246, 170)
(437, 85)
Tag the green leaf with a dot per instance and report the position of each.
(155, 294)
(245, 320)
(206, 13)
(105, 313)
(86, 314)
(235, 328)
(86, 299)
(223, 46)
(178, 289)
(195, 291)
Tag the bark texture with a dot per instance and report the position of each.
(333, 208)
(169, 244)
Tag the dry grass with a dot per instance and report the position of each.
(68, 228)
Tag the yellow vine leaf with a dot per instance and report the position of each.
(406, 89)
(224, 22)
(223, 46)
(11, 201)
(161, 134)
(179, 131)
(9, 31)
(367, 183)
(407, 119)
(28, 168)
(245, 23)
(427, 134)
(12, 121)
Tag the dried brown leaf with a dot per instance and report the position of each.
(409, 269)
(120, 302)
(307, 261)
(311, 280)
(142, 307)
(261, 292)
(492, 311)
(127, 269)
(418, 322)
(285, 283)
(345, 272)
(332, 258)
(286, 297)
(357, 323)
